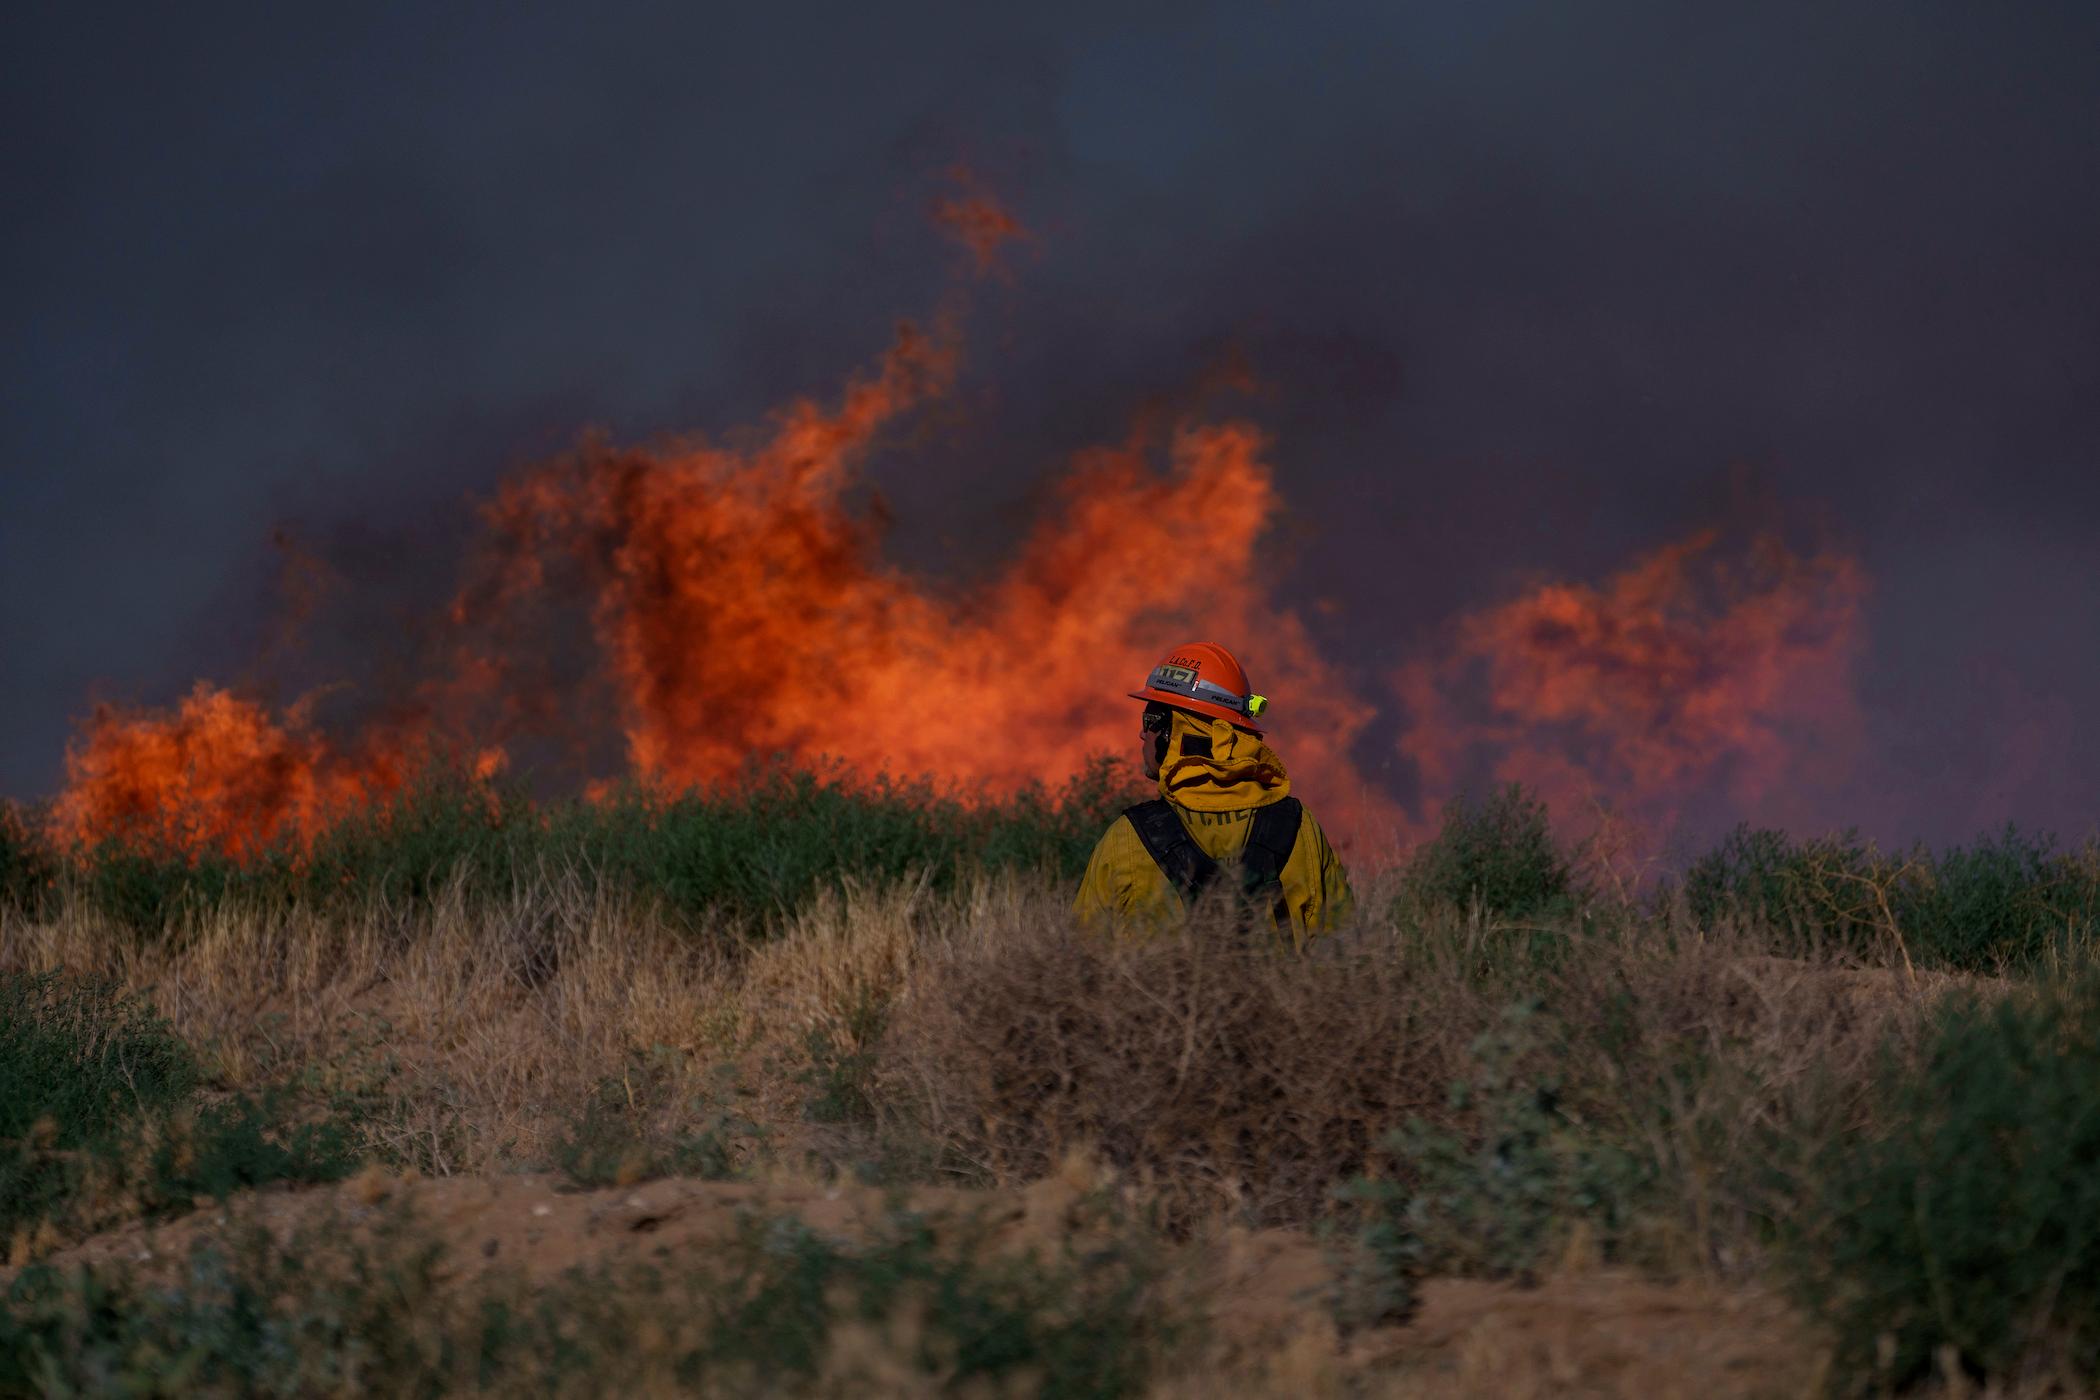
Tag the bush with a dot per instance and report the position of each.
(148, 889)
(1498, 855)
(99, 1109)
(2008, 900)
(764, 850)
(252, 1317)
(629, 1131)
(406, 848)
(1225, 1075)
(841, 1073)
(1500, 1193)
(78, 1064)
(1969, 1222)
(778, 1309)
(28, 869)
(1379, 1264)
(1077, 1325)
(1822, 889)
(217, 1149)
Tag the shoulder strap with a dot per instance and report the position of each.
(1271, 837)
(1178, 856)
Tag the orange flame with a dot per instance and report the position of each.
(1683, 671)
(218, 773)
(744, 610)
(738, 609)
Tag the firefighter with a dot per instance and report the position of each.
(1224, 817)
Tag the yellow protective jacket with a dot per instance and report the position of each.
(1216, 797)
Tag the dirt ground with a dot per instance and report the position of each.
(1586, 1332)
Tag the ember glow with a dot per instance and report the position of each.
(739, 610)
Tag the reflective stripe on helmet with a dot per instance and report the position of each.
(1182, 680)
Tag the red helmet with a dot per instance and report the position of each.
(1204, 678)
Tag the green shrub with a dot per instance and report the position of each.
(99, 1104)
(1805, 890)
(408, 847)
(1499, 855)
(147, 889)
(220, 1148)
(843, 1058)
(1500, 1195)
(1079, 1325)
(79, 1063)
(759, 853)
(773, 845)
(1970, 1221)
(1379, 1259)
(630, 1130)
(83, 1055)
(325, 1313)
(1056, 829)
(2008, 900)
(28, 867)
(247, 1317)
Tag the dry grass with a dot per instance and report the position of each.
(1227, 1087)
(479, 1030)
(470, 1035)
(1227, 1078)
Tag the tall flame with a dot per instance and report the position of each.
(735, 606)
(743, 609)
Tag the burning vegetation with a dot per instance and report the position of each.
(215, 772)
(739, 610)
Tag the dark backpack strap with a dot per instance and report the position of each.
(1178, 856)
(1271, 837)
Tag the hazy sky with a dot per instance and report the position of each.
(1532, 287)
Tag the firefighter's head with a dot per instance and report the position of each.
(1203, 680)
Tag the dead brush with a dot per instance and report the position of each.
(1227, 1078)
(1221, 1073)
